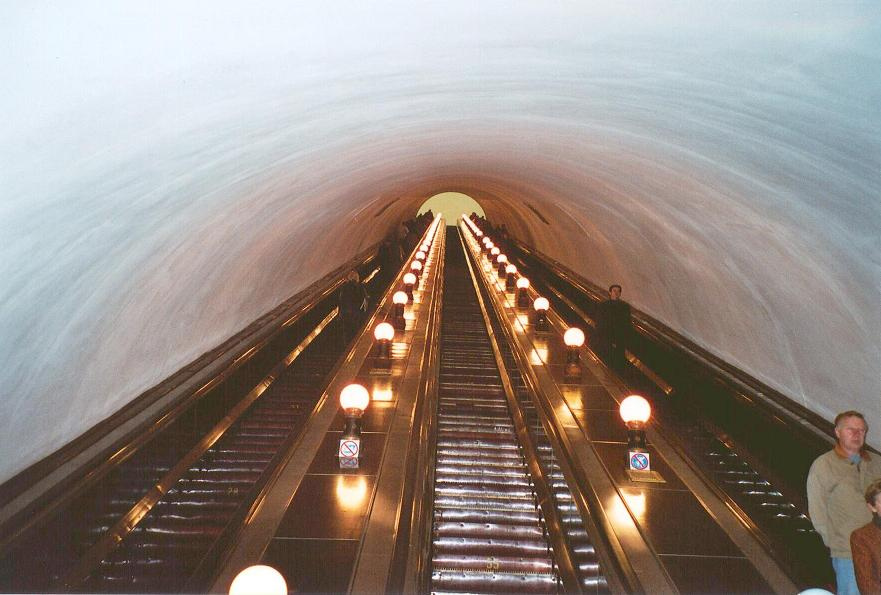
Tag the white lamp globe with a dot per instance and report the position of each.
(400, 298)
(354, 396)
(635, 409)
(573, 337)
(522, 283)
(541, 303)
(258, 580)
(409, 279)
(384, 332)
(511, 269)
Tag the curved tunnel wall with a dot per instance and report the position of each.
(170, 174)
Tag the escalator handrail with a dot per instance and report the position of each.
(412, 551)
(232, 354)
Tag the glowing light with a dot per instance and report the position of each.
(538, 355)
(541, 303)
(409, 279)
(258, 580)
(351, 491)
(501, 258)
(415, 266)
(495, 251)
(384, 332)
(635, 409)
(400, 298)
(420, 255)
(522, 283)
(511, 269)
(574, 337)
(354, 396)
(382, 394)
(636, 504)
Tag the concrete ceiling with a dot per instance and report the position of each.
(170, 172)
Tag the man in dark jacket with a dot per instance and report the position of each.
(613, 328)
(389, 258)
(352, 304)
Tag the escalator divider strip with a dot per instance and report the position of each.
(267, 512)
(377, 553)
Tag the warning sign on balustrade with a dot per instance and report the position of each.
(350, 448)
(639, 461)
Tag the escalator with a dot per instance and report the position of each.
(504, 520)
(114, 538)
(751, 458)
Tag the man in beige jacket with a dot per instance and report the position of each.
(836, 484)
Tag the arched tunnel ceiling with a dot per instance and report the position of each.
(169, 172)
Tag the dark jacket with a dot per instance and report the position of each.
(613, 325)
(352, 297)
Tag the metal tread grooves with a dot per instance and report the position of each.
(578, 541)
(164, 550)
(488, 533)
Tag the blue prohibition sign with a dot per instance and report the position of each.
(349, 448)
(639, 461)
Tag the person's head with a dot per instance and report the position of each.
(873, 496)
(353, 276)
(850, 430)
(615, 292)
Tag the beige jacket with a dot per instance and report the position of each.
(835, 497)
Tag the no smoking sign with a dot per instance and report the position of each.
(350, 448)
(639, 461)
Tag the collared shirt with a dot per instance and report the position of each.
(835, 487)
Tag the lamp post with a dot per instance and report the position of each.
(416, 267)
(501, 263)
(399, 301)
(636, 411)
(510, 277)
(522, 292)
(541, 306)
(574, 339)
(354, 399)
(384, 333)
(410, 283)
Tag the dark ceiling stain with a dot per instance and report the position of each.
(537, 214)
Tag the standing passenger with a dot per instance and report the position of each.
(351, 303)
(613, 328)
(836, 485)
(865, 545)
